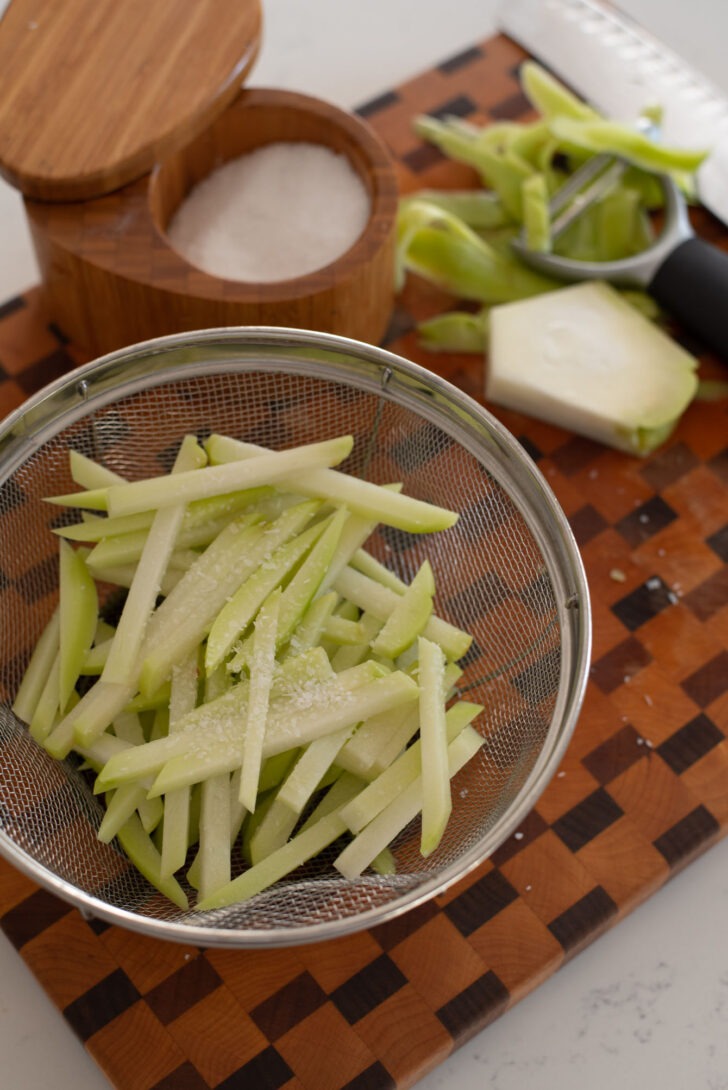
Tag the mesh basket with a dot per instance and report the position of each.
(508, 571)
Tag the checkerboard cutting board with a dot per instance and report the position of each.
(642, 789)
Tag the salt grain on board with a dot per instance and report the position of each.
(281, 211)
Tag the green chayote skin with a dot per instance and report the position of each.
(461, 240)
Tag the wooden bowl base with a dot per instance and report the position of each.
(111, 277)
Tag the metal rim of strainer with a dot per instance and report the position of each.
(168, 359)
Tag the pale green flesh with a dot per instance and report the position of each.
(41, 661)
(336, 795)
(225, 711)
(197, 599)
(402, 772)
(122, 576)
(436, 800)
(360, 754)
(158, 546)
(122, 804)
(350, 654)
(90, 474)
(273, 832)
(175, 834)
(94, 499)
(141, 851)
(214, 834)
(213, 728)
(585, 360)
(184, 617)
(199, 516)
(95, 659)
(366, 499)
(128, 548)
(190, 763)
(367, 564)
(47, 706)
(78, 612)
(307, 633)
(261, 680)
(343, 631)
(402, 734)
(380, 832)
(409, 616)
(275, 769)
(301, 590)
(87, 721)
(275, 866)
(381, 601)
(125, 499)
(237, 614)
(313, 763)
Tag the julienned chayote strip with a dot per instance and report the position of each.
(257, 638)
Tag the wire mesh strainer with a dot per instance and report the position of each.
(509, 572)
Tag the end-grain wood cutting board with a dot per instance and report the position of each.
(642, 790)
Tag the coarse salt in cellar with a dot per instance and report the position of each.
(279, 212)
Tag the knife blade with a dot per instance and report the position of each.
(619, 68)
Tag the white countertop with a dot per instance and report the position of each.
(647, 1004)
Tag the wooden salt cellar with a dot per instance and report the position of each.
(107, 123)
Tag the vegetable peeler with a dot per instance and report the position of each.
(684, 274)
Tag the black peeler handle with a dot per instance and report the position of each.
(692, 284)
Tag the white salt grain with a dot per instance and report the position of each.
(281, 211)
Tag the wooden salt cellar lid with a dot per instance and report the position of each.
(93, 92)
